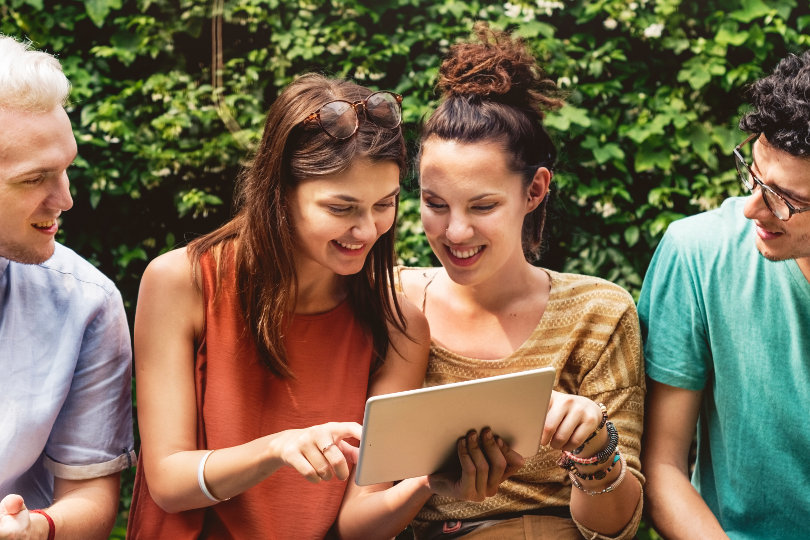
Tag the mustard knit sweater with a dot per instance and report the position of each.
(590, 334)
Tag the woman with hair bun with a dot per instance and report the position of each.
(486, 165)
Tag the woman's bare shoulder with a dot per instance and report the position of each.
(170, 296)
(173, 269)
(170, 279)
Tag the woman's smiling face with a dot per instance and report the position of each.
(472, 207)
(338, 218)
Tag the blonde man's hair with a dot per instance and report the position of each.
(30, 80)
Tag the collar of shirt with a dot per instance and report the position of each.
(3, 266)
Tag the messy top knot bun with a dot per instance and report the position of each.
(493, 90)
(498, 68)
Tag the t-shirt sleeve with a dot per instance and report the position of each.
(672, 316)
(92, 436)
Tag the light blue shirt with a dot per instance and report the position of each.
(719, 317)
(65, 376)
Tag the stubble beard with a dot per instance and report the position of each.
(801, 250)
(25, 255)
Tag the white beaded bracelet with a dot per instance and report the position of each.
(201, 479)
(608, 489)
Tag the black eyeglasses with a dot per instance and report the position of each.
(775, 202)
(340, 119)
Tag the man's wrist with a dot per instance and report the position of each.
(42, 525)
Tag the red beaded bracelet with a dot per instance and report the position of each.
(598, 474)
(51, 525)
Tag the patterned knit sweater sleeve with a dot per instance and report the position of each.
(617, 380)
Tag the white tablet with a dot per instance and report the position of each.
(413, 433)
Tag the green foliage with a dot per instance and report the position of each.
(655, 88)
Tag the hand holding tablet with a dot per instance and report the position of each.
(485, 461)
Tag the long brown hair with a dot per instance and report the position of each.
(494, 90)
(260, 235)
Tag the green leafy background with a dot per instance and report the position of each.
(655, 91)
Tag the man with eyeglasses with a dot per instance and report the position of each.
(725, 313)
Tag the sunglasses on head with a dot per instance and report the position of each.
(340, 119)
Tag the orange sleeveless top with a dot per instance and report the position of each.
(239, 400)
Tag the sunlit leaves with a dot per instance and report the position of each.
(99, 9)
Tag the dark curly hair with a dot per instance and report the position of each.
(781, 104)
(494, 90)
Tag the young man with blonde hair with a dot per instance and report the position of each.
(65, 353)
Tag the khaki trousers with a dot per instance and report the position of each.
(528, 527)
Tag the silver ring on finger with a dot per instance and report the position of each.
(327, 447)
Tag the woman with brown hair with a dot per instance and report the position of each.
(485, 169)
(257, 345)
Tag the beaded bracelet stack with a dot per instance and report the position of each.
(602, 455)
(608, 489)
(570, 460)
(598, 474)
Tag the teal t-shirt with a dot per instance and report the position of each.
(719, 317)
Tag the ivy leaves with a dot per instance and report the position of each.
(655, 90)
